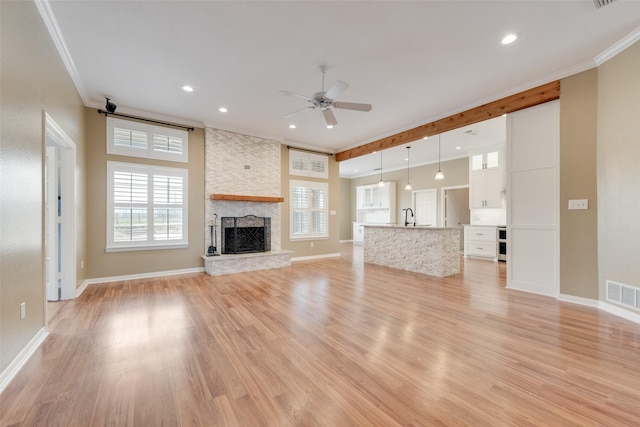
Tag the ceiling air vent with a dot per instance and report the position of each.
(602, 3)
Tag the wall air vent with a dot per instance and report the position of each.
(628, 296)
(602, 3)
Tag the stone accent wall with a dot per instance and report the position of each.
(241, 164)
(428, 250)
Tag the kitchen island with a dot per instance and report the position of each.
(429, 250)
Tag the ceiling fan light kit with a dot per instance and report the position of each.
(325, 101)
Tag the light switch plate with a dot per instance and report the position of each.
(332, 212)
(578, 204)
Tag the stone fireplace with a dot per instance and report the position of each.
(240, 165)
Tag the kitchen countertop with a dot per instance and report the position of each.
(415, 227)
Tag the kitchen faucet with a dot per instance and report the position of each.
(406, 222)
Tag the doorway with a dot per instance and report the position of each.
(425, 207)
(455, 209)
(59, 211)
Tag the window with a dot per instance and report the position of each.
(136, 139)
(146, 208)
(309, 210)
(308, 164)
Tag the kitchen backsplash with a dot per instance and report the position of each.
(488, 217)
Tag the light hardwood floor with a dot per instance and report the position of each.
(330, 342)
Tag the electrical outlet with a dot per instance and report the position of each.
(311, 244)
(579, 204)
(332, 212)
(23, 310)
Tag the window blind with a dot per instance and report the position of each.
(309, 209)
(147, 206)
(129, 138)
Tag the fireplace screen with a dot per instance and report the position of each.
(247, 234)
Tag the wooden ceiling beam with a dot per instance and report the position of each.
(519, 101)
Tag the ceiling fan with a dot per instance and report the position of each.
(325, 100)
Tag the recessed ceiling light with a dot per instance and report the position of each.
(222, 109)
(406, 159)
(187, 88)
(356, 170)
(509, 38)
(292, 126)
(457, 148)
(426, 137)
(329, 126)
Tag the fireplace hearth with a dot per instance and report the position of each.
(247, 234)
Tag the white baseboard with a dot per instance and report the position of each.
(82, 287)
(532, 288)
(14, 367)
(307, 258)
(587, 302)
(619, 311)
(602, 305)
(97, 280)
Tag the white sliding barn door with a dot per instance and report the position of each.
(533, 212)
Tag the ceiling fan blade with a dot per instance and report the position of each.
(335, 90)
(352, 106)
(297, 111)
(295, 95)
(329, 117)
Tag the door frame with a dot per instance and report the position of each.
(67, 150)
(443, 193)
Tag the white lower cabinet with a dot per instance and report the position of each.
(358, 233)
(481, 242)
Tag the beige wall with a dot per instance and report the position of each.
(456, 173)
(619, 169)
(33, 80)
(303, 248)
(578, 180)
(99, 263)
(345, 209)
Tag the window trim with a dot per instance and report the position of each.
(150, 171)
(293, 183)
(149, 152)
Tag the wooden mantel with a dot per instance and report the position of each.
(244, 198)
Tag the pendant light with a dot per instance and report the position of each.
(439, 174)
(381, 182)
(408, 186)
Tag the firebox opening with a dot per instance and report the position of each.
(247, 234)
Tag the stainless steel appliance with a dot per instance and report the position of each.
(502, 243)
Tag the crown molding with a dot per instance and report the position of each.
(618, 47)
(44, 8)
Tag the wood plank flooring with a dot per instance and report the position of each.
(330, 342)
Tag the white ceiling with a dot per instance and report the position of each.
(414, 61)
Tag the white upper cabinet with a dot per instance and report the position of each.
(485, 160)
(486, 183)
(375, 204)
